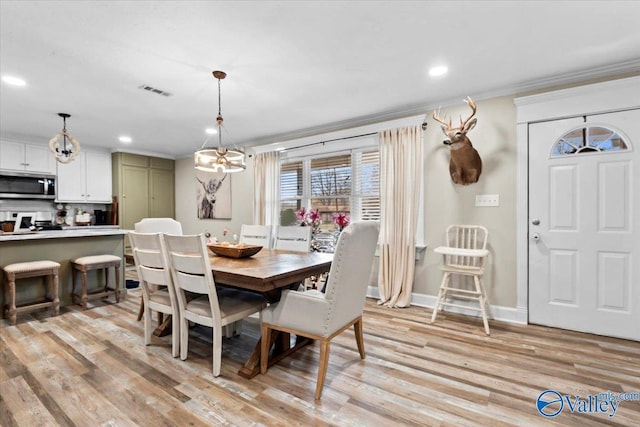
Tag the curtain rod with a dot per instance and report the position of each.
(329, 140)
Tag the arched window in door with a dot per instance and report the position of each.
(589, 139)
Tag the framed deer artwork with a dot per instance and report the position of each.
(213, 191)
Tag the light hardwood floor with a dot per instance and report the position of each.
(91, 368)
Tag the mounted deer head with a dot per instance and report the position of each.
(465, 165)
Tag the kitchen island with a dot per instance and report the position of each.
(61, 246)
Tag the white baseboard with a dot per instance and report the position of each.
(507, 314)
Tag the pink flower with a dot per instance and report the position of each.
(341, 219)
(301, 214)
(313, 216)
(224, 232)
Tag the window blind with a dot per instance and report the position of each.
(347, 183)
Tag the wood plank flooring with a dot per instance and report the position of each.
(91, 368)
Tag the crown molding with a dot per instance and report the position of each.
(581, 77)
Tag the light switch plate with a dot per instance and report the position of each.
(484, 200)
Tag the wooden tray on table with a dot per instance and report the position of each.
(237, 250)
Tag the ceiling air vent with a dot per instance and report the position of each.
(154, 90)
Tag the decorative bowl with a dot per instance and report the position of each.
(238, 250)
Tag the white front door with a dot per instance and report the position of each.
(584, 224)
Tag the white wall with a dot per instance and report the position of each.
(445, 203)
(186, 203)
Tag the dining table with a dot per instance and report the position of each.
(269, 272)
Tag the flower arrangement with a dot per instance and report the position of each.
(341, 220)
(308, 217)
(301, 214)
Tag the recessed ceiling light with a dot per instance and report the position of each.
(13, 81)
(125, 139)
(438, 71)
(211, 131)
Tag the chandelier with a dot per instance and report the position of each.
(219, 159)
(70, 147)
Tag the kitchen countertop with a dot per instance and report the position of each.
(67, 232)
(61, 246)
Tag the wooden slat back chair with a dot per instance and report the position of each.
(259, 235)
(323, 316)
(191, 271)
(158, 291)
(158, 225)
(293, 238)
(464, 254)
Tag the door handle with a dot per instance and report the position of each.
(535, 236)
(535, 222)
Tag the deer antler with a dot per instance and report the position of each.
(439, 120)
(472, 105)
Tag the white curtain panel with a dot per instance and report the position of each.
(266, 188)
(401, 170)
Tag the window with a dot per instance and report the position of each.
(345, 182)
(588, 139)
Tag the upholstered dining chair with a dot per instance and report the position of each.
(158, 291)
(259, 235)
(464, 254)
(293, 238)
(191, 271)
(322, 316)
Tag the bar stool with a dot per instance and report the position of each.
(95, 262)
(22, 270)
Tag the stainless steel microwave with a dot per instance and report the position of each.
(27, 186)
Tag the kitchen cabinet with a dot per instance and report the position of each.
(60, 246)
(87, 179)
(23, 157)
(144, 186)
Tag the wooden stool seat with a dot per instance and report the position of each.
(22, 270)
(95, 262)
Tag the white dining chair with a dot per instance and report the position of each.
(158, 292)
(191, 272)
(464, 254)
(323, 316)
(259, 235)
(158, 225)
(293, 238)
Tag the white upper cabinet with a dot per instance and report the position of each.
(21, 157)
(86, 179)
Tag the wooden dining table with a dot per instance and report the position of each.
(268, 273)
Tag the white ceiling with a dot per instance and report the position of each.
(294, 68)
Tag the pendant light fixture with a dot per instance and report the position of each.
(70, 147)
(219, 159)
